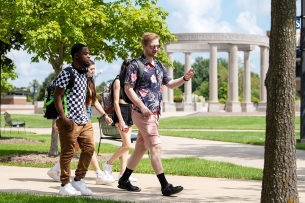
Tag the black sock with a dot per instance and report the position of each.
(162, 180)
(127, 173)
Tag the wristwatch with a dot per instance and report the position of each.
(104, 115)
(184, 78)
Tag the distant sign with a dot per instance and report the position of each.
(298, 32)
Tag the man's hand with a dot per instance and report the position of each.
(145, 111)
(55, 128)
(189, 74)
(67, 123)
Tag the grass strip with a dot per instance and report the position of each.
(218, 122)
(9, 197)
(194, 166)
(189, 166)
(253, 138)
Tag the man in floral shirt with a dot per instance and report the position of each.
(145, 91)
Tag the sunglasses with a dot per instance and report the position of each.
(154, 46)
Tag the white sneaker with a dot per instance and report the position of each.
(54, 174)
(103, 180)
(131, 179)
(108, 170)
(69, 190)
(81, 186)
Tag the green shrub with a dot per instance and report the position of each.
(222, 100)
(255, 99)
(178, 98)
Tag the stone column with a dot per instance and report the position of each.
(233, 104)
(247, 105)
(213, 101)
(170, 92)
(262, 105)
(188, 106)
(229, 78)
(167, 93)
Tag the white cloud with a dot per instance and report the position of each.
(27, 71)
(247, 22)
(109, 71)
(196, 16)
(257, 7)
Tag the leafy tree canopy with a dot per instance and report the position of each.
(111, 30)
(7, 72)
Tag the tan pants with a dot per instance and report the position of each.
(83, 134)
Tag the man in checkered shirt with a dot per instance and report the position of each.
(75, 126)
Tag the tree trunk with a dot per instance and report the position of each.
(57, 63)
(279, 174)
(54, 142)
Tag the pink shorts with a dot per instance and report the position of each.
(148, 129)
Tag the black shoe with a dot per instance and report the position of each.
(170, 190)
(126, 185)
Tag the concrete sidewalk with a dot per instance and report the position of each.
(196, 189)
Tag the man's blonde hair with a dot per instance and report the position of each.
(149, 36)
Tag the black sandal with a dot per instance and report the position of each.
(126, 185)
(170, 190)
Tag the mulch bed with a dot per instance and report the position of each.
(37, 157)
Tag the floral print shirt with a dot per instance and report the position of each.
(149, 88)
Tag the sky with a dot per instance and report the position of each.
(185, 16)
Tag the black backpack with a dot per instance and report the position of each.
(140, 73)
(50, 111)
(107, 94)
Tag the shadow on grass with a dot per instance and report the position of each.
(16, 152)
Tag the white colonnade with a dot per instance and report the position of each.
(214, 43)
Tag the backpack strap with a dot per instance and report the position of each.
(140, 71)
(68, 89)
(71, 81)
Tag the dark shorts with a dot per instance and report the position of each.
(126, 114)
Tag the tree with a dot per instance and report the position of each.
(255, 87)
(100, 88)
(201, 68)
(7, 72)
(34, 89)
(47, 81)
(279, 174)
(178, 72)
(51, 27)
(11, 40)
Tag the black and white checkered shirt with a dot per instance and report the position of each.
(76, 98)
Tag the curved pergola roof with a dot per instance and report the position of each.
(199, 42)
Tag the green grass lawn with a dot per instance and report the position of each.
(253, 138)
(42, 147)
(185, 122)
(35, 120)
(8, 197)
(190, 166)
(218, 122)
